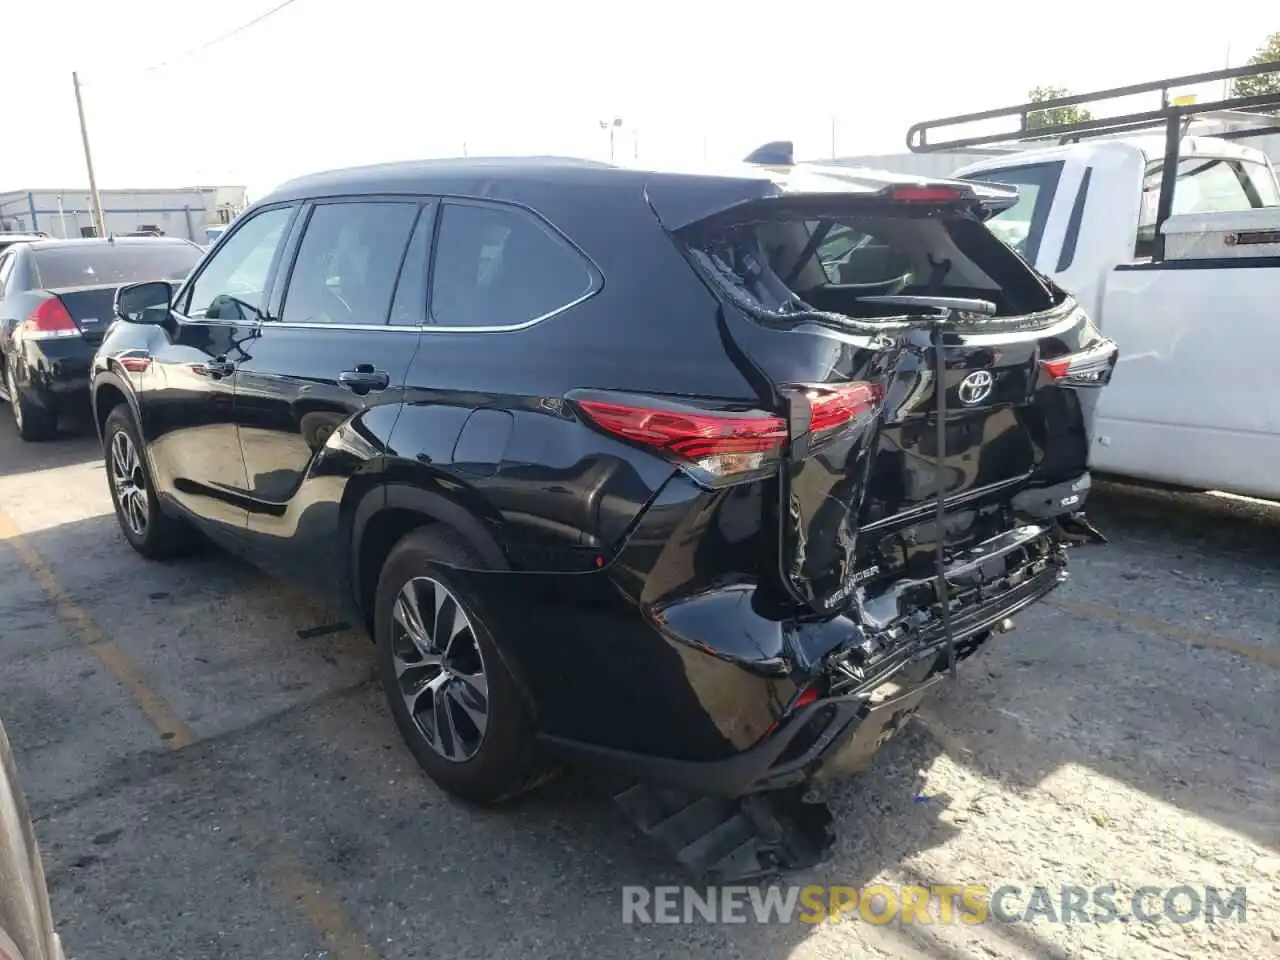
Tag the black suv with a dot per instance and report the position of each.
(638, 468)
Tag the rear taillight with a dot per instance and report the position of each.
(833, 408)
(714, 448)
(1089, 367)
(49, 320)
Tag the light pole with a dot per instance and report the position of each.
(612, 126)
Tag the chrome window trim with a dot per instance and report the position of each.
(435, 203)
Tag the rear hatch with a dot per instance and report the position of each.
(808, 280)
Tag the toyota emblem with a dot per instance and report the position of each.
(976, 387)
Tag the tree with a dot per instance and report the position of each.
(1054, 115)
(1262, 83)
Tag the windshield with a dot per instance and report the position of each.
(95, 263)
(1022, 225)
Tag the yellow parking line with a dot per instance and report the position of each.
(341, 936)
(321, 910)
(1169, 631)
(173, 729)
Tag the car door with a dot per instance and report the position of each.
(332, 357)
(186, 394)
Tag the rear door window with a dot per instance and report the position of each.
(1022, 225)
(346, 268)
(502, 266)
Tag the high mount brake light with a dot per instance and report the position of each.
(714, 447)
(1090, 367)
(927, 194)
(831, 409)
(48, 321)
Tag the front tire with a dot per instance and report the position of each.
(33, 423)
(149, 531)
(457, 706)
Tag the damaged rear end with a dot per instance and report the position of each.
(934, 397)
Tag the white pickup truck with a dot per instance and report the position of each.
(1183, 274)
(1195, 401)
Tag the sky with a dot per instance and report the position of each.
(330, 83)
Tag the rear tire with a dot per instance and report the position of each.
(149, 531)
(33, 423)
(458, 708)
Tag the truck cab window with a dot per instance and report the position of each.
(1205, 185)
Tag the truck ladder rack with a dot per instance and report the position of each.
(1171, 116)
(919, 140)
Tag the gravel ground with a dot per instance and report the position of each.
(214, 778)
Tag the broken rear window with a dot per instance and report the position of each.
(787, 266)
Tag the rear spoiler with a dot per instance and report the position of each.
(988, 198)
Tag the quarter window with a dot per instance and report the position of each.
(499, 266)
(6, 270)
(232, 285)
(347, 264)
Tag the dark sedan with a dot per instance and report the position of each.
(55, 303)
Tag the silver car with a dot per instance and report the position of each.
(26, 923)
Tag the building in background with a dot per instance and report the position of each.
(185, 212)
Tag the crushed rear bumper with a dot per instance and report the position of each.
(838, 735)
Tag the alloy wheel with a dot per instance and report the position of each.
(130, 485)
(440, 669)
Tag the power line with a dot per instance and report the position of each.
(223, 37)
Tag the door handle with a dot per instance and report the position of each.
(364, 378)
(221, 367)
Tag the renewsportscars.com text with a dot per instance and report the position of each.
(940, 903)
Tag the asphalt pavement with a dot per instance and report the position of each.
(214, 775)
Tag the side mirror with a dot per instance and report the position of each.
(147, 302)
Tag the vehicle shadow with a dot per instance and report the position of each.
(75, 443)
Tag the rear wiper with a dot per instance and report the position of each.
(941, 307)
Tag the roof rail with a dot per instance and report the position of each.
(919, 141)
(1171, 115)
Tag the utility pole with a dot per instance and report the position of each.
(99, 221)
(833, 138)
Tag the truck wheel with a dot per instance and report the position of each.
(458, 708)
